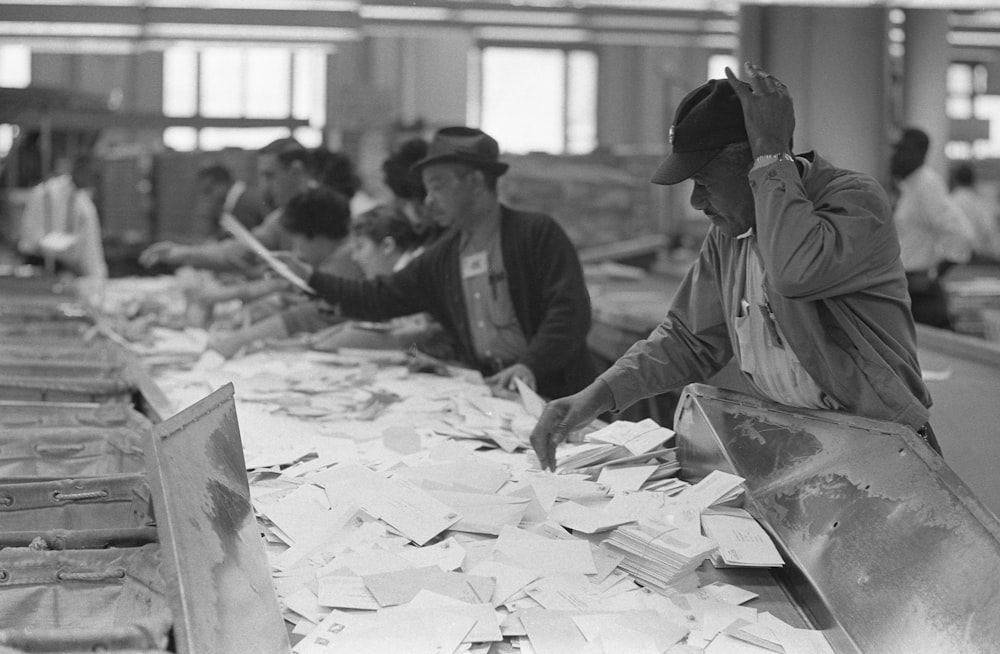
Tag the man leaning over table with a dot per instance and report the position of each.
(506, 285)
(799, 277)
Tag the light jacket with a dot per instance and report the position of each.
(835, 284)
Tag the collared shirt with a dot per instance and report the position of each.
(496, 335)
(931, 227)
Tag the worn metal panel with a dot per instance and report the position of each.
(221, 591)
(889, 550)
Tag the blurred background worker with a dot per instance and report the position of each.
(284, 168)
(384, 241)
(934, 234)
(317, 221)
(407, 188)
(221, 194)
(980, 211)
(60, 225)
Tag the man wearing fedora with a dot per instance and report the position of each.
(799, 278)
(506, 285)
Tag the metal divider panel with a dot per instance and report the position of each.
(891, 551)
(219, 581)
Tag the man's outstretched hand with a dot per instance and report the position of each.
(566, 415)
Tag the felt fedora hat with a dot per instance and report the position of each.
(708, 119)
(466, 145)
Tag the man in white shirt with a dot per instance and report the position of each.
(60, 222)
(933, 232)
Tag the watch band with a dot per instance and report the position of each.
(768, 159)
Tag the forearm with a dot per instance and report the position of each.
(378, 300)
(272, 327)
(310, 317)
(218, 256)
(669, 358)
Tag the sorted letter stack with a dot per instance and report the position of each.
(661, 557)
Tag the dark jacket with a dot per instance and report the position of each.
(546, 286)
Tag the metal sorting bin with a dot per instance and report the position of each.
(100, 549)
(70, 450)
(19, 414)
(887, 549)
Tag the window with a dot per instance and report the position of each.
(15, 66)
(539, 99)
(232, 82)
(973, 112)
(718, 63)
(15, 71)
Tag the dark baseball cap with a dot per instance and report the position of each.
(707, 120)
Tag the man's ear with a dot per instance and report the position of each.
(387, 245)
(298, 168)
(479, 176)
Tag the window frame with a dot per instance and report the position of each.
(477, 86)
(297, 67)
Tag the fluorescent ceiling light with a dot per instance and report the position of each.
(153, 45)
(389, 12)
(291, 5)
(659, 5)
(295, 34)
(274, 5)
(81, 30)
(93, 3)
(70, 45)
(502, 17)
(541, 35)
(648, 23)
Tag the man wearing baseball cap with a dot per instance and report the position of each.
(799, 278)
(506, 285)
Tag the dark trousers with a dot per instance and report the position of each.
(927, 299)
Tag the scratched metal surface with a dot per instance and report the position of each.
(220, 586)
(890, 551)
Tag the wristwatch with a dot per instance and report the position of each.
(768, 159)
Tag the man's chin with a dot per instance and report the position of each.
(731, 228)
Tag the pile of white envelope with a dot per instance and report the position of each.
(406, 513)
